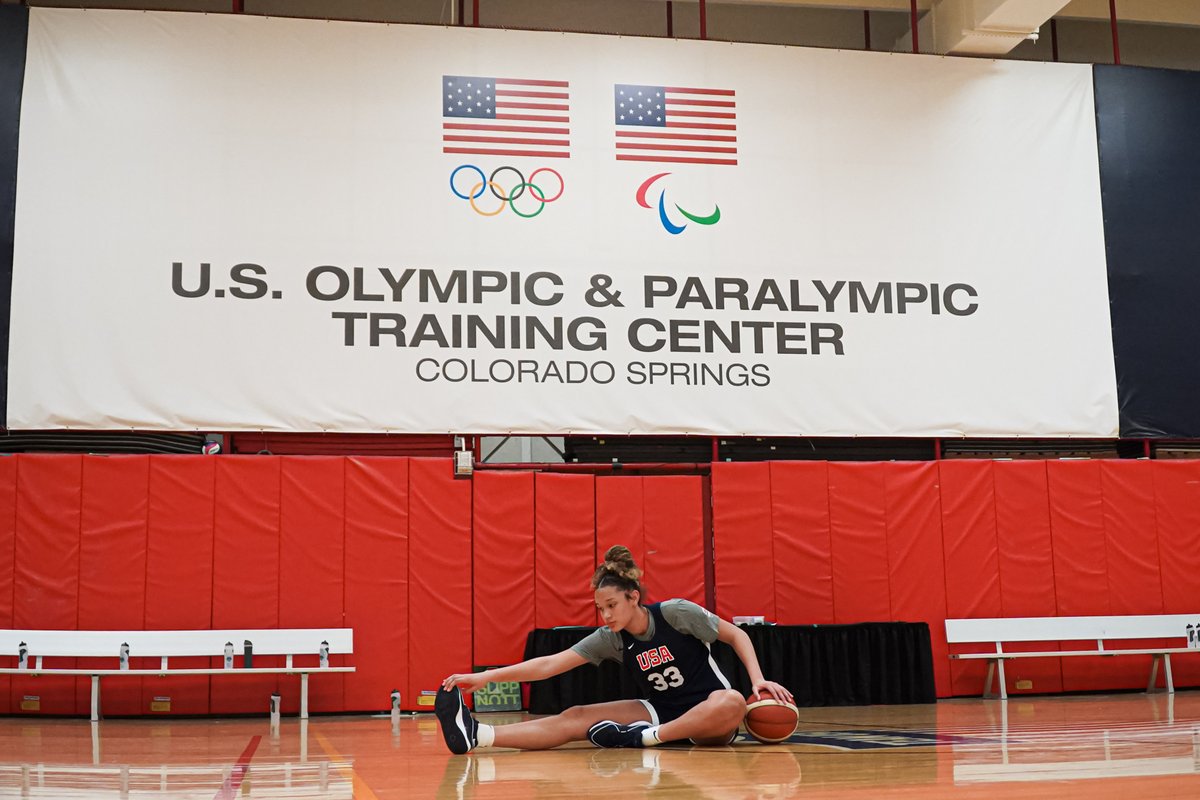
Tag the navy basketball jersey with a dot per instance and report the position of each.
(672, 667)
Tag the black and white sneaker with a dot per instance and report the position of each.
(613, 734)
(459, 728)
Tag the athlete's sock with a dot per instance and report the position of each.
(650, 737)
(486, 735)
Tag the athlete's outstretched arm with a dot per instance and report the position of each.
(535, 669)
(736, 638)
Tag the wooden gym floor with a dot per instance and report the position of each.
(1131, 746)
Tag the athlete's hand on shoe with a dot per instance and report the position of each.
(466, 681)
(772, 690)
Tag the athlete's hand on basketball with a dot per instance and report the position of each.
(770, 689)
(466, 681)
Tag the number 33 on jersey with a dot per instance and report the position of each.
(667, 678)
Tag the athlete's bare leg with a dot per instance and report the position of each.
(710, 722)
(571, 725)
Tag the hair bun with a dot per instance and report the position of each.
(618, 569)
(619, 561)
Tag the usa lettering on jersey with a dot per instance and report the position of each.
(649, 659)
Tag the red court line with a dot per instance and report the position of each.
(229, 788)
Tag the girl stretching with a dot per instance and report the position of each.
(666, 648)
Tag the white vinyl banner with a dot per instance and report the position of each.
(241, 223)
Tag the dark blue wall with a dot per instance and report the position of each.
(1148, 122)
(14, 30)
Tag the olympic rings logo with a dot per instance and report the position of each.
(506, 197)
(667, 223)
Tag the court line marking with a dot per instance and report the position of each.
(359, 788)
(240, 767)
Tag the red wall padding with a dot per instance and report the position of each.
(673, 511)
(971, 555)
(744, 569)
(46, 568)
(565, 550)
(1080, 565)
(439, 601)
(1026, 558)
(112, 566)
(377, 581)
(312, 555)
(620, 519)
(8, 537)
(915, 569)
(1131, 537)
(502, 506)
(858, 521)
(803, 558)
(387, 546)
(1177, 511)
(246, 572)
(1131, 556)
(179, 568)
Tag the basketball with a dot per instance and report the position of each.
(770, 721)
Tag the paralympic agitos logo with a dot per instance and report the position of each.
(669, 225)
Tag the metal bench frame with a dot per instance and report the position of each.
(306, 643)
(997, 631)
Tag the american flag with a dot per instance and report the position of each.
(675, 124)
(506, 117)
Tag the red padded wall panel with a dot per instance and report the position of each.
(246, 571)
(1080, 565)
(916, 570)
(502, 519)
(377, 581)
(620, 520)
(565, 520)
(8, 535)
(1177, 509)
(1131, 554)
(1026, 559)
(112, 566)
(674, 537)
(312, 506)
(858, 523)
(46, 565)
(1077, 528)
(743, 552)
(179, 560)
(971, 557)
(439, 530)
(800, 525)
(1134, 582)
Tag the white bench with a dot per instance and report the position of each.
(34, 648)
(1101, 630)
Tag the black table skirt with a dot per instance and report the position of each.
(872, 663)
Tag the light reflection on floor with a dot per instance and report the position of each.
(1129, 745)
